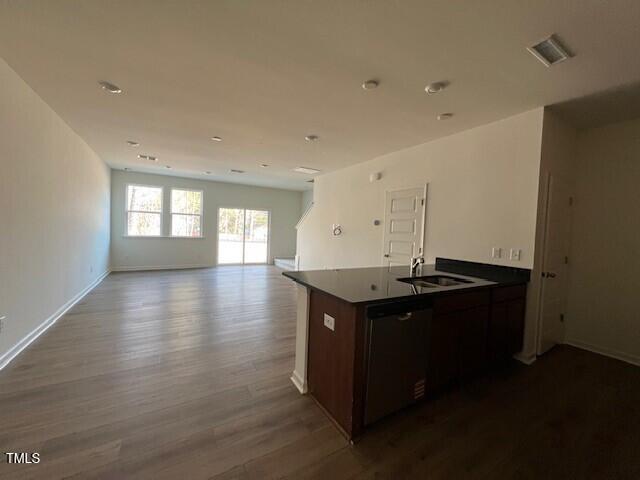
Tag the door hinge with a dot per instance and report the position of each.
(422, 202)
(570, 201)
(562, 317)
(566, 260)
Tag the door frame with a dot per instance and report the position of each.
(218, 264)
(543, 245)
(425, 191)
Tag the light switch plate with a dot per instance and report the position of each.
(329, 322)
(496, 252)
(515, 254)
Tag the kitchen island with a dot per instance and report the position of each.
(371, 341)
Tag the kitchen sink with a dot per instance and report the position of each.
(433, 281)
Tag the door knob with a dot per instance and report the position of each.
(548, 275)
(386, 255)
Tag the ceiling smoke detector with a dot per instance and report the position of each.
(216, 139)
(264, 165)
(307, 170)
(233, 170)
(444, 116)
(132, 143)
(311, 138)
(167, 166)
(110, 87)
(435, 87)
(370, 84)
(208, 172)
(147, 157)
(549, 51)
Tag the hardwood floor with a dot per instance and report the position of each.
(185, 374)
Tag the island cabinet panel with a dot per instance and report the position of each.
(336, 369)
(457, 338)
(506, 324)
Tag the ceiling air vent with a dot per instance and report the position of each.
(549, 51)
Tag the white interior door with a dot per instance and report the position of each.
(403, 225)
(554, 264)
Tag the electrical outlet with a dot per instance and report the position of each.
(496, 252)
(329, 322)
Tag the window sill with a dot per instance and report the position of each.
(147, 237)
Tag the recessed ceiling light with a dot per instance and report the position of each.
(216, 139)
(444, 116)
(110, 87)
(132, 143)
(306, 170)
(311, 138)
(370, 84)
(207, 172)
(264, 165)
(233, 170)
(549, 51)
(147, 157)
(435, 87)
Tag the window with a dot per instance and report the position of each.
(243, 236)
(144, 211)
(186, 213)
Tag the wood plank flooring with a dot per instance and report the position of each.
(185, 374)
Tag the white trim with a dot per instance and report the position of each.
(144, 237)
(526, 359)
(141, 268)
(304, 215)
(14, 351)
(607, 352)
(300, 384)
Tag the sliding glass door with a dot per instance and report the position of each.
(243, 236)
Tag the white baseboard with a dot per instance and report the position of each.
(143, 268)
(299, 382)
(527, 359)
(607, 352)
(14, 351)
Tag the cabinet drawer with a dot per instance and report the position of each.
(502, 294)
(460, 301)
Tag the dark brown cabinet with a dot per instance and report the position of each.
(506, 322)
(455, 338)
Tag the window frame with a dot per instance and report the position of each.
(201, 214)
(127, 211)
(269, 232)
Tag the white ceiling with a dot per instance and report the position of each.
(262, 74)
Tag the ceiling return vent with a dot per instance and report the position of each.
(549, 51)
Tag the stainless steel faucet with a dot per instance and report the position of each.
(415, 262)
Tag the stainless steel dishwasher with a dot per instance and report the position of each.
(397, 356)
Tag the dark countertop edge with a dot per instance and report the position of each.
(409, 298)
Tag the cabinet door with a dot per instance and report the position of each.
(506, 329)
(442, 356)
(473, 341)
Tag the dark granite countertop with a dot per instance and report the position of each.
(376, 284)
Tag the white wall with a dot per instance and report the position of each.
(54, 212)
(307, 199)
(483, 193)
(604, 282)
(166, 252)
